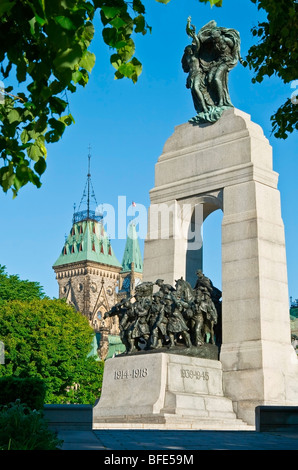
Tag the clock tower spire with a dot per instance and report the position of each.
(87, 270)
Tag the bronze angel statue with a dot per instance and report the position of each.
(208, 60)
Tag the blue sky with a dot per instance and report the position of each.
(126, 126)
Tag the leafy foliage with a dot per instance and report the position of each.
(217, 3)
(44, 44)
(277, 53)
(24, 429)
(12, 288)
(49, 340)
(30, 391)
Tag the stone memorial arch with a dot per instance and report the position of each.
(218, 160)
(228, 165)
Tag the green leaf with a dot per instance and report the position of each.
(57, 105)
(34, 152)
(65, 22)
(58, 125)
(40, 166)
(138, 6)
(6, 6)
(121, 44)
(52, 136)
(32, 23)
(17, 184)
(68, 58)
(88, 32)
(25, 136)
(41, 124)
(140, 23)
(21, 70)
(67, 120)
(41, 143)
(14, 116)
(118, 22)
(110, 36)
(128, 51)
(39, 20)
(131, 69)
(110, 12)
(87, 61)
(116, 61)
(137, 64)
(217, 3)
(7, 177)
(77, 76)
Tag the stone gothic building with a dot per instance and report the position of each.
(92, 279)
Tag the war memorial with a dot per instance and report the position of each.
(198, 357)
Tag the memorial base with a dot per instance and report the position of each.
(164, 391)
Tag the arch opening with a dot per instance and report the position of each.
(205, 255)
(211, 256)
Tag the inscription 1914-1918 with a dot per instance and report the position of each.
(131, 374)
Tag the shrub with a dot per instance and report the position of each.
(24, 429)
(50, 340)
(30, 391)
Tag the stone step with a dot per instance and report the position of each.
(199, 408)
(214, 422)
(199, 405)
(174, 422)
(183, 426)
(199, 414)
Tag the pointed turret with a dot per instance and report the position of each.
(87, 270)
(132, 263)
(87, 240)
(132, 252)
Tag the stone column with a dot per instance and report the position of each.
(166, 244)
(256, 351)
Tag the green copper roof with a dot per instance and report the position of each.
(132, 252)
(115, 346)
(94, 347)
(87, 241)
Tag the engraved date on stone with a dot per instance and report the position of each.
(131, 374)
(194, 374)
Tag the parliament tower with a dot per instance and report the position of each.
(89, 275)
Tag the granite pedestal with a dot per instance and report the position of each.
(164, 391)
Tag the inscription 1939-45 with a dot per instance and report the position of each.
(194, 374)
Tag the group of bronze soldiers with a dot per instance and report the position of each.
(170, 317)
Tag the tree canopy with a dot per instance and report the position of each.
(44, 45)
(12, 288)
(277, 53)
(50, 340)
